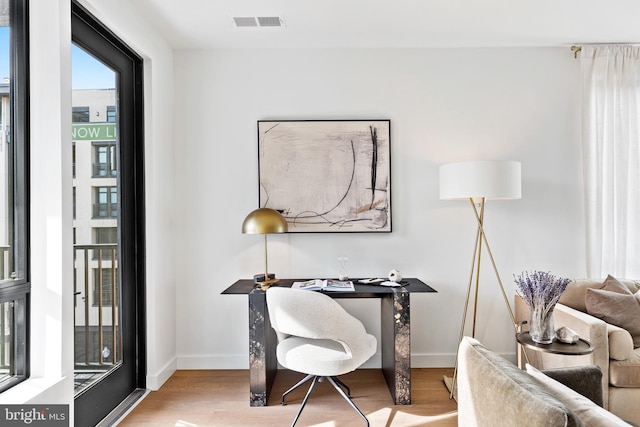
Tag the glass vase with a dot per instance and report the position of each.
(541, 327)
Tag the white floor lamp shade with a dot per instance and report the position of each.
(480, 179)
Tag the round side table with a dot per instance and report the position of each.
(579, 348)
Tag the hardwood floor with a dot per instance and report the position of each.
(221, 398)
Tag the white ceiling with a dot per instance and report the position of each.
(202, 24)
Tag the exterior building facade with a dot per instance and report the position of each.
(95, 226)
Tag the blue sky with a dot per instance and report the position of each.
(87, 72)
(4, 52)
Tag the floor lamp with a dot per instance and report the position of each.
(477, 182)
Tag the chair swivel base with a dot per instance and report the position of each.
(335, 382)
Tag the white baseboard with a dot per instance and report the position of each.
(445, 360)
(154, 382)
(429, 360)
(433, 360)
(239, 361)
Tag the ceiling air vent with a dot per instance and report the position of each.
(245, 21)
(269, 21)
(258, 21)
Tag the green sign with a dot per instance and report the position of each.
(93, 132)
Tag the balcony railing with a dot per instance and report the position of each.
(6, 317)
(103, 170)
(105, 210)
(97, 328)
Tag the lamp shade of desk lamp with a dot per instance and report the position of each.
(264, 221)
(478, 181)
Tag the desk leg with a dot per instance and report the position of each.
(396, 345)
(262, 350)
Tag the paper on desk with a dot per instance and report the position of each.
(388, 283)
(369, 281)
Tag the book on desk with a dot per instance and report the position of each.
(327, 285)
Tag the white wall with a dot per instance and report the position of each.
(444, 105)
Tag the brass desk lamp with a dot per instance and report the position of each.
(264, 221)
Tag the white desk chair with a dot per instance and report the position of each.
(317, 337)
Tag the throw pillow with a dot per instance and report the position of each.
(618, 309)
(585, 380)
(614, 285)
(589, 413)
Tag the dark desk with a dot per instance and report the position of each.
(395, 335)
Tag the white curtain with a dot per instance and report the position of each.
(611, 149)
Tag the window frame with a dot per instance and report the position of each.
(17, 289)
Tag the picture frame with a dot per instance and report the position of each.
(327, 176)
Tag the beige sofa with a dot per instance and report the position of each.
(614, 349)
(493, 392)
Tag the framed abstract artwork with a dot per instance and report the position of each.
(325, 175)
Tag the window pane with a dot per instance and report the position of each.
(106, 202)
(111, 113)
(73, 159)
(104, 160)
(98, 336)
(107, 237)
(80, 115)
(6, 233)
(13, 112)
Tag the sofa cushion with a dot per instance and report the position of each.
(620, 342)
(494, 392)
(589, 413)
(574, 295)
(619, 309)
(625, 373)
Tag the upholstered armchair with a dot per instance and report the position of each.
(317, 337)
(591, 313)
